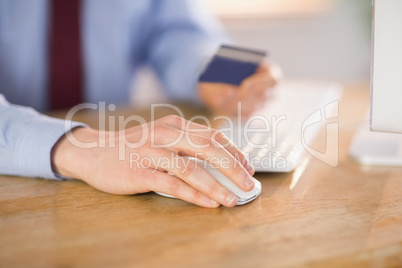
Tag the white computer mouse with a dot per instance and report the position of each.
(243, 196)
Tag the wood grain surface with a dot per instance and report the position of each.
(347, 216)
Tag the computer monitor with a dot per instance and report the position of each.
(376, 148)
(386, 67)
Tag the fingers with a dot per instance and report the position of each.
(272, 68)
(232, 149)
(204, 148)
(196, 176)
(206, 132)
(254, 90)
(257, 84)
(214, 95)
(168, 184)
(219, 157)
(266, 77)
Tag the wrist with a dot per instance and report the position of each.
(70, 160)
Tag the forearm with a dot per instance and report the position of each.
(26, 140)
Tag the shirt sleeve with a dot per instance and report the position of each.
(183, 35)
(26, 140)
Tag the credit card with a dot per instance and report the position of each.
(231, 65)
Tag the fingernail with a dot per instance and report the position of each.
(214, 203)
(250, 169)
(249, 183)
(230, 199)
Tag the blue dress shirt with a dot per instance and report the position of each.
(174, 37)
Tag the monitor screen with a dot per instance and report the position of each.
(386, 67)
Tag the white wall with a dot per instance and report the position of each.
(334, 45)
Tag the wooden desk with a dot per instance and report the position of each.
(348, 216)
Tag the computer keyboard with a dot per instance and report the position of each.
(274, 138)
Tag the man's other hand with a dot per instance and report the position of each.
(253, 92)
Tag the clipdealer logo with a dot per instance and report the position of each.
(241, 136)
(330, 155)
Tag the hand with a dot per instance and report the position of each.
(101, 167)
(253, 92)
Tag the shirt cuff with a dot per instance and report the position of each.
(32, 156)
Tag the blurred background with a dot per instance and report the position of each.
(309, 39)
